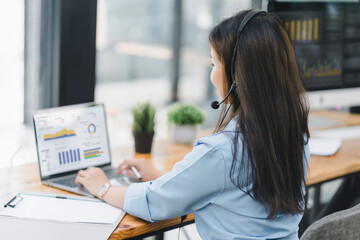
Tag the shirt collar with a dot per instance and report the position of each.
(231, 125)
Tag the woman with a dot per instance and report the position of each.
(246, 181)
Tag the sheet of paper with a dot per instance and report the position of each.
(16, 228)
(67, 210)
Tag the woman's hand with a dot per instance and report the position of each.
(147, 171)
(92, 179)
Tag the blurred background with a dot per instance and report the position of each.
(118, 52)
(122, 52)
(155, 51)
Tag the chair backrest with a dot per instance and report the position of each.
(339, 225)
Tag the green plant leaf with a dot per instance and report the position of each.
(144, 118)
(185, 114)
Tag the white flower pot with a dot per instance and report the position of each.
(184, 134)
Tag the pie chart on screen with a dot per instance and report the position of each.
(91, 128)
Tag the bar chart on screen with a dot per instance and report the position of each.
(93, 153)
(69, 156)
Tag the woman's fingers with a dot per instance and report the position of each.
(129, 173)
(122, 167)
(92, 179)
(126, 165)
(79, 179)
(144, 167)
(82, 173)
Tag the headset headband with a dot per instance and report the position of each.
(245, 20)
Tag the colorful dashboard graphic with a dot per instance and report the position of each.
(320, 64)
(70, 156)
(91, 128)
(92, 153)
(303, 30)
(62, 134)
(321, 68)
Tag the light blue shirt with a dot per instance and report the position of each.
(200, 183)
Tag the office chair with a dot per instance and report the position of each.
(339, 225)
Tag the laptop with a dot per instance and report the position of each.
(71, 138)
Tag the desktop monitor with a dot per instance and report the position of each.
(326, 40)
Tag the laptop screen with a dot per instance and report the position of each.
(71, 138)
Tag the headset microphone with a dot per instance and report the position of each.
(216, 104)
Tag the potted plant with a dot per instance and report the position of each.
(183, 119)
(143, 127)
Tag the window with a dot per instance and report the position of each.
(135, 49)
(11, 77)
(11, 61)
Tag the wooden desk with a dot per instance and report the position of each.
(346, 161)
(165, 154)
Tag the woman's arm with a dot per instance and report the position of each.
(115, 196)
(145, 168)
(193, 183)
(94, 178)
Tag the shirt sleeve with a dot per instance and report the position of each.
(193, 183)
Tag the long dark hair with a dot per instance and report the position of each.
(271, 111)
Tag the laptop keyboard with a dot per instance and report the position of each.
(110, 173)
(67, 182)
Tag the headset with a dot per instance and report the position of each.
(246, 19)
